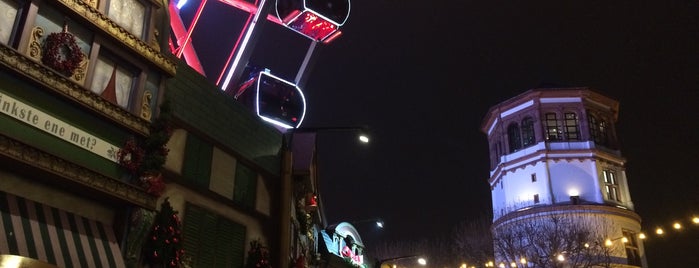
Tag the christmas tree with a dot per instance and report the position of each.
(164, 245)
(258, 256)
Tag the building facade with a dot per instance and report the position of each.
(559, 188)
(89, 154)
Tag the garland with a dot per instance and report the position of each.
(62, 53)
(145, 159)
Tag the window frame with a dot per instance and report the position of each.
(514, 140)
(571, 126)
(553, 132)
(632, 250)
(528, 133)
(612, 189)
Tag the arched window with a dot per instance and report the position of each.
(515, 141)
(552, 131)
(527, 132)
(572, 130)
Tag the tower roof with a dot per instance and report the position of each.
(586, 94)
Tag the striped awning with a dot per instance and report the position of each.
(55, 236)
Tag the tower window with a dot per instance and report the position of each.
(572, 130)
(514, 139)
(552, 131)
(633, 257)
(611, 185)
(536, 199)
(527, 132)
(533, 177)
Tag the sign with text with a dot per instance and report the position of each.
(40, 120)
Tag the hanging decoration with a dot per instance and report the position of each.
(146, 158)
(62, 53)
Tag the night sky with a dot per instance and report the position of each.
(423, 74)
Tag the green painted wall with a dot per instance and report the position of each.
(204, 107)
(71, 114)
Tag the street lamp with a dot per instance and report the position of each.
(420, 260)
(299, 147)
(362, 131)
(379, 222)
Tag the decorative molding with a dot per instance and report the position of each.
(540, 210)
(110, 27)
(34, 47)
(146, 113)
(54, 81)
(65, 169)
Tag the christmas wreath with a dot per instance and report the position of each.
(62, 53)
(131, 156)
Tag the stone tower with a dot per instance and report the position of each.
(557, 177)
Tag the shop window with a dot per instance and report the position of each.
(129, 14)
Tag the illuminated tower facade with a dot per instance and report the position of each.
(557, 177)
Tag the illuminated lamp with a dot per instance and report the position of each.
(319, 20)
(273, 99)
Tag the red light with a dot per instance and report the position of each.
(312, 26)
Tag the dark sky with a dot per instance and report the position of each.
(423, 74)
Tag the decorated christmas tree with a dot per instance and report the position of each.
(164, 245)
(258, 256)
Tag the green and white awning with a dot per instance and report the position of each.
(55, 236)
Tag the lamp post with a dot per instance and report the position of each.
(420, 260)
(300, 155)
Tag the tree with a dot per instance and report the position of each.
(556, 240)
(473, 243)
(164, 245)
